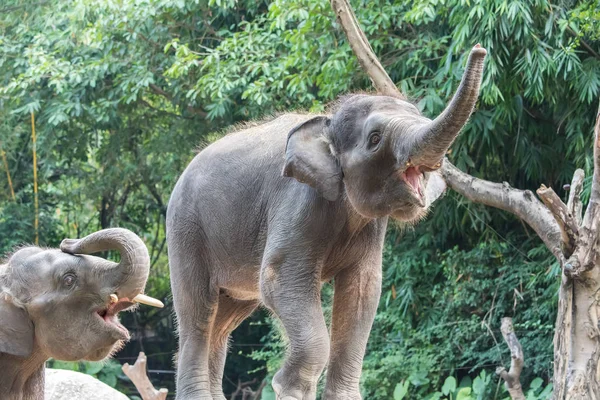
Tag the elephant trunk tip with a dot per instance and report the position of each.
(435, 138)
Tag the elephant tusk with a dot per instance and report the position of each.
(114, 299)
(149, 301)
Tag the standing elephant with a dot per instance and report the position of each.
(64, 304)
(266, 214)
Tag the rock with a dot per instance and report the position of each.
(71, 385)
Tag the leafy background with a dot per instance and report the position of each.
(123, 91)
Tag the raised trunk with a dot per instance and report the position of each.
(130, 275)
(435, 138)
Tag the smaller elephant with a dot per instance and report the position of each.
(64, 304)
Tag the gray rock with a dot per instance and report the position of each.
(71, 385)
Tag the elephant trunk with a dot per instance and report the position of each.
(434, 138)
(130, 275)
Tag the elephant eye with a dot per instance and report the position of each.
(374, 139)
(69, 279)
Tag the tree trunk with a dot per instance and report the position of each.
(577, 339)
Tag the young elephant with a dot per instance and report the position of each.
(64, 304)
(239, 233)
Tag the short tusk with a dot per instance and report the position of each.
(149, 301)
(114, 299)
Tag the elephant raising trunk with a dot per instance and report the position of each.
(130, 275)
(434, 138)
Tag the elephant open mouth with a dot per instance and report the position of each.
(109, 315)
(412, 176)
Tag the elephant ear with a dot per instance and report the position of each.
(16, 329)
(308, 158)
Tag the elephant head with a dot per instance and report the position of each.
(64, 303)
(378, 152)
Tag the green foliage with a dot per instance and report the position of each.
(480, 388)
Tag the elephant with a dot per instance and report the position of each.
(265, 215)
(63, 303)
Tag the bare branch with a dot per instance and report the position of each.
(586, 253)
(568, 227)
(574, 205)
(140, 379)
(511, 378)
(361, 47)
(241, 388)
(521, 203)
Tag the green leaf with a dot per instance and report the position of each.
(401, 390)
(92, 368)
(464, 394)
(449, 385)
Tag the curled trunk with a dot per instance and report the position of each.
(130, 275)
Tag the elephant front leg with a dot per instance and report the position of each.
(356, 296)
(292, 291)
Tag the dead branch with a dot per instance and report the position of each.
(521, 203)
(586, 253)
(362, 49)
(574, 205)
(241, 388)
(139, 377)
(258, 393)
(511, 378)
(568, 227)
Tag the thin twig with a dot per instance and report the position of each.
(35, 181)
(5, 162)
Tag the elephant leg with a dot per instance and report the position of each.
(230, 313)
(296, 300)
(195, 301)
(356, 296)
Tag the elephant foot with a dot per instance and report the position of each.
(342, 396)
(202, 395)
(292, 391)
(341, 391)
(218, 396)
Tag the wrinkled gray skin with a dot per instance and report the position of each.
(56, 303)
(240, 234)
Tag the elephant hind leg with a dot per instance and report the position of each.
(230, 314)
(195, 301)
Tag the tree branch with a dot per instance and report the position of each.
(574, 205)
(361, 47)
(568, 227)
(240, 389)
(521, 203)
(140, 379)
(195, 111)
(511, 378)
(586, 253)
